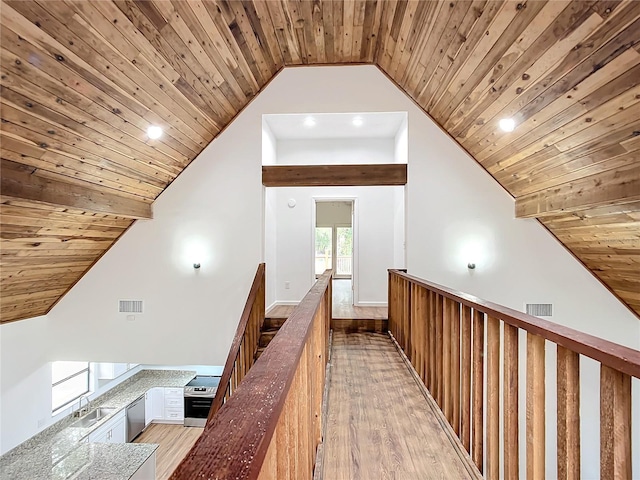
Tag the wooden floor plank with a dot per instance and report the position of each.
(343, 307)
(175, 442)
(379, 424)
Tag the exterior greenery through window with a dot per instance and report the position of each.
(324, 250)
(69, 381)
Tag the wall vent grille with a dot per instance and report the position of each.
(539, 309)
(130, 306)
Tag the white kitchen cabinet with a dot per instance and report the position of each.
(118, 432)
(109, 371)
(157, 403)
(173, 405)
(164, 405)
(113, 431)
(147, 470)
(148, 407)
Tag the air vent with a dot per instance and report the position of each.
(130, 306)
(539, 309)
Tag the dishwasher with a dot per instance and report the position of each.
(135, 418)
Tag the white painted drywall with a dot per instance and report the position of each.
(401, 155)
(190, 316)
(269, 145)
(341, 151)
(25, 365)
(373, 239)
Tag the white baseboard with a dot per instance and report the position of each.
(284, 302)
(371, 304)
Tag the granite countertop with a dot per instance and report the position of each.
(61, 451)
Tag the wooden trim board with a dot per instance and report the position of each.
(334, 175)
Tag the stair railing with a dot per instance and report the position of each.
(442, 332)
(245, 342)
(270, 427)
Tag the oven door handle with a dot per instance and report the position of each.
(198, 395)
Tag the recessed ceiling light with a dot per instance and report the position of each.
(154, 132)
(357, 121)
(507, 124)
(309, 122)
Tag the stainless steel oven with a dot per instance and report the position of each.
(198, 398)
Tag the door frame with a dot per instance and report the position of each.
(354, 225)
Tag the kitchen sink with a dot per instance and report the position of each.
(93, 417)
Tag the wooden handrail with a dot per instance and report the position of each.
(247, 333)
(467, 352)
(271, 426)
(618, 357)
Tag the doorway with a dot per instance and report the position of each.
(334, 246)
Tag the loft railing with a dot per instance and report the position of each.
(270, 427)
(442, 332)
(245, 342)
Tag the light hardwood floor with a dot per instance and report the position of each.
(175, 442)
(379, 424)
(342, 306)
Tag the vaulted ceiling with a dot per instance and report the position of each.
(82, 80)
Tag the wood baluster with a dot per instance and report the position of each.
(477, 395)
(424, 299)
(393, 302)
(455, 367)
(568, 381)
(615, 424)
(535, 407)
(433, 340)
(318, 372)
(420, 300)
(493, 399)
(465, 429)
(510, 402)
(401, 315)
(439, 346)
(390, 302)
(415, 338)
(407, 309)
(401, 306)
(447, 406)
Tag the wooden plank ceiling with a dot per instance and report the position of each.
(81, 82)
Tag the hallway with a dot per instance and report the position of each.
(342, 305)
(379, 424)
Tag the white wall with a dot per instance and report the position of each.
(269, 143)
(373, 239)
(191, 315)
(401, 155)
(378, 240)
(24, 365)
(341, 151)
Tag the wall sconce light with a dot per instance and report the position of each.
(196, 265)
(471, 266)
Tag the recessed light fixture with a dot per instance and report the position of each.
(507, 124)
(357, 121)
(309, 122)
(154, 132)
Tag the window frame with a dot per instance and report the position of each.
(84, 371)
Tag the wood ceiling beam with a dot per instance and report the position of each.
(334, 175)
(19, 182)
(614, 187)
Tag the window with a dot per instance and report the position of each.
(324, 249)
(344, 253)
(69, 381)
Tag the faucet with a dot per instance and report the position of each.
(87, 408)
